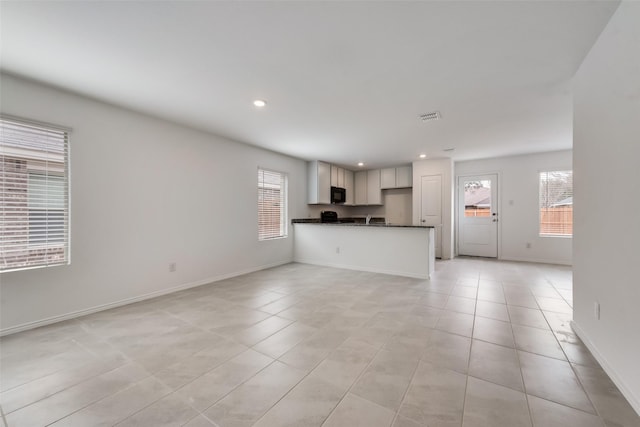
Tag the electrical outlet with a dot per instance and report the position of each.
(596, 310)
(172, 267)
(528, 245)
(337, 249)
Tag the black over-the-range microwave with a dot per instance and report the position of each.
(338, 195)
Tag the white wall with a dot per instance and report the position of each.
(518, 205)
(144, 193)
(606, 153)
(443, 167)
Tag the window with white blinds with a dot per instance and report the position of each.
(34, 195)
(272, 204)
(556, 203)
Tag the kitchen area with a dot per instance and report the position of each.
(362, 220)
(375, 192)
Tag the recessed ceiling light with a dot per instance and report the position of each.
(422, 156)
(259, 103)
(360, 164)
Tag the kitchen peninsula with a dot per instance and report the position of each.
(402, 250)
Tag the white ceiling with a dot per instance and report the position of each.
(344, 81)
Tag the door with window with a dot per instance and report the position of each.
(478, 215)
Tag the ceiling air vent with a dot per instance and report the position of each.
(430, 116)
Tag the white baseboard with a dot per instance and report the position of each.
(537, 260)
(361, 268)
(633, 400)
(74, 314)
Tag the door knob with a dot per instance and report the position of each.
(424, 220)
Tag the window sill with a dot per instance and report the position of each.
(272, 238)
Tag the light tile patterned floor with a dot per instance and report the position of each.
(484, 343)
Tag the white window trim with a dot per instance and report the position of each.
(284, 209)
(66, 172)
(546, 235)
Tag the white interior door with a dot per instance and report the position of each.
(431, 207)
(478, 215)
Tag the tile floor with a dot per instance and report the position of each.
(484, 343)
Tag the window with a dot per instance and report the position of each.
(477, 198)
(34, 195)
(272, 205)
(556, 203)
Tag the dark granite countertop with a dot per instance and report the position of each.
(356, 222)
(345, 220)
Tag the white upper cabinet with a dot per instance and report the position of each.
(322, 176)
(368, 190)
(374, 192)
(349, 187)
(319, 183)
(338, 176)
(388, 178)
(399, 177)
(361, 188)
(334, 176)
(404, 177)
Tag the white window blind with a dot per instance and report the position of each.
(556, 203)
(34, 195)
(272, 204)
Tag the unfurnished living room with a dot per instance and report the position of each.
(319, 213)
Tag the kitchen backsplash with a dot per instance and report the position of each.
(397, 208)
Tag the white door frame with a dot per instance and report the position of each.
(438, 227)
(457, 207)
